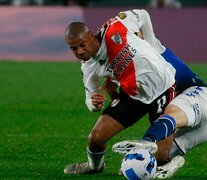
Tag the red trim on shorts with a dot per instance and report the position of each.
(172, 93)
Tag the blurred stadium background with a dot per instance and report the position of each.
(43, 120)
(36, 32)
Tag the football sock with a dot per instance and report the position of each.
(163, 127)
(95, 160)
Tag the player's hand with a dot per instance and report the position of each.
(98, 99)
(140, 34)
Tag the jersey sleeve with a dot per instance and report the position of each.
(91, 84)
(138, 20)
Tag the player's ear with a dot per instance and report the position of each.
(90, 34)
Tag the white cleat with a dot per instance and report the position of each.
(167, 170)
(81, 168)
(125, 146)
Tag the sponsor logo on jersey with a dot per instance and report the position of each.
(117, 38)
(122, 15)
(122, 60)
(115, 102)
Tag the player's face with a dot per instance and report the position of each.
(83, 46)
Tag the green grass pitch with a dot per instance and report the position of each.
(44, 124)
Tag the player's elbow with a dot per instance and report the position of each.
(144, 12)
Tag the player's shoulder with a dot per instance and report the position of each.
(115, 30)
(131, 14)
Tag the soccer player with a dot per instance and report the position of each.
(143, 75)
(189, 111)
(138, 21)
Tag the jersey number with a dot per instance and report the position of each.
(161, 102)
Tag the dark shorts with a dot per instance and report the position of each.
(128, 111)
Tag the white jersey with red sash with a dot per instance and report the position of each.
(129, 61)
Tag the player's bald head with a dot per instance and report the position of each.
(81, 40)
(76, 29)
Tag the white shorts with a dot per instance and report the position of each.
(193, 102)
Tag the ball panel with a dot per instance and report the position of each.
(130, 174)
(139, 164)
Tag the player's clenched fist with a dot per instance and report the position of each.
(98, 99)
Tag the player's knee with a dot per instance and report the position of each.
(96, 142)
(178, 114)
(95, 137)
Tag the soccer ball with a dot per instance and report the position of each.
(139, 164)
